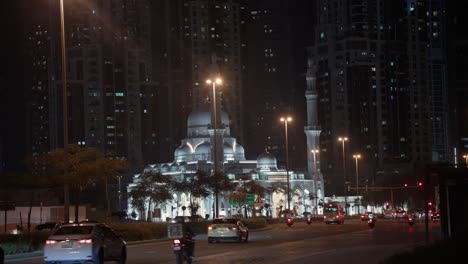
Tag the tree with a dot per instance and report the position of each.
(247, 186)
(151, 188)
(220, 182)
(84, 166)
(109, 168)
(197, 186)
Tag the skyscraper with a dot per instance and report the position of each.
(380, 81)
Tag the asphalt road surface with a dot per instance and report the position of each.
(352, 242)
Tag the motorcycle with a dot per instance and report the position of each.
(289, 221)
(411, 221)
(371, 222)
(309, 220)
(183, 249)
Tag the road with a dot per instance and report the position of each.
(350, 243)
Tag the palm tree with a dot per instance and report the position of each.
(197, 186)
(151, 188)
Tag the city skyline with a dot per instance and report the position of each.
(263, 54)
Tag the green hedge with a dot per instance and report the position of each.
(24, 242)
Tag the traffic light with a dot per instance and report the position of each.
(387, 205)
(420, 184)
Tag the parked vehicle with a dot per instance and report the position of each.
(333, 213)
(222, 229)
(87, 242)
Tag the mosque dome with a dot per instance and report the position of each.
(183, 150)
(201, 117)
(266, 160)
(203, 148)
(240, 149)
(182, 153)
(228, 149)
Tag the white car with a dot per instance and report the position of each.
(86, 242)
(222, 229)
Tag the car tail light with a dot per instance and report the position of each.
(85, 241)
(324, 217)
(211, 227)
(176, 241)
(51, 242)
(233, 227)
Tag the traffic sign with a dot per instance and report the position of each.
(250, 199)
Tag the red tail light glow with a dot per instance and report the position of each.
(176, 241)
(51, 242)
(85, 241)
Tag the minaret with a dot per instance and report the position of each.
(313, 130)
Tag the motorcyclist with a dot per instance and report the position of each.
(188, 240)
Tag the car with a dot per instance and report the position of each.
(85, 242)
(333, 213)
(180, 219)
(399, 214)
(47, 226)
(367, 215)
(225, 229)
(435, 215)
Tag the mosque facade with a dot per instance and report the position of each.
(196, 152)
(199, 151)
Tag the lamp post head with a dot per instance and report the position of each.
(343, 139)
(315, 151)
(357, 156)
(286, 119)
(215, 81)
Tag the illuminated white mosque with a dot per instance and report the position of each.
(197, 152)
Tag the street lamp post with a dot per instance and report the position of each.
(314, 152)
(215, 158)
(66, 196)
(286, 120)
(466, 159)
(357, 157)
(120, 194)
(343, 140)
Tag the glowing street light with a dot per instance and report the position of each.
(343, 140)
(66, 193)
(314, 152)
(285, 120)
(357, 157)
(215, 158)
(466, 159)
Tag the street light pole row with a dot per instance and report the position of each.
(314, 152)
(215, 158)
(285, 120)
(66, 193)
(343, 140)
(356, 157)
